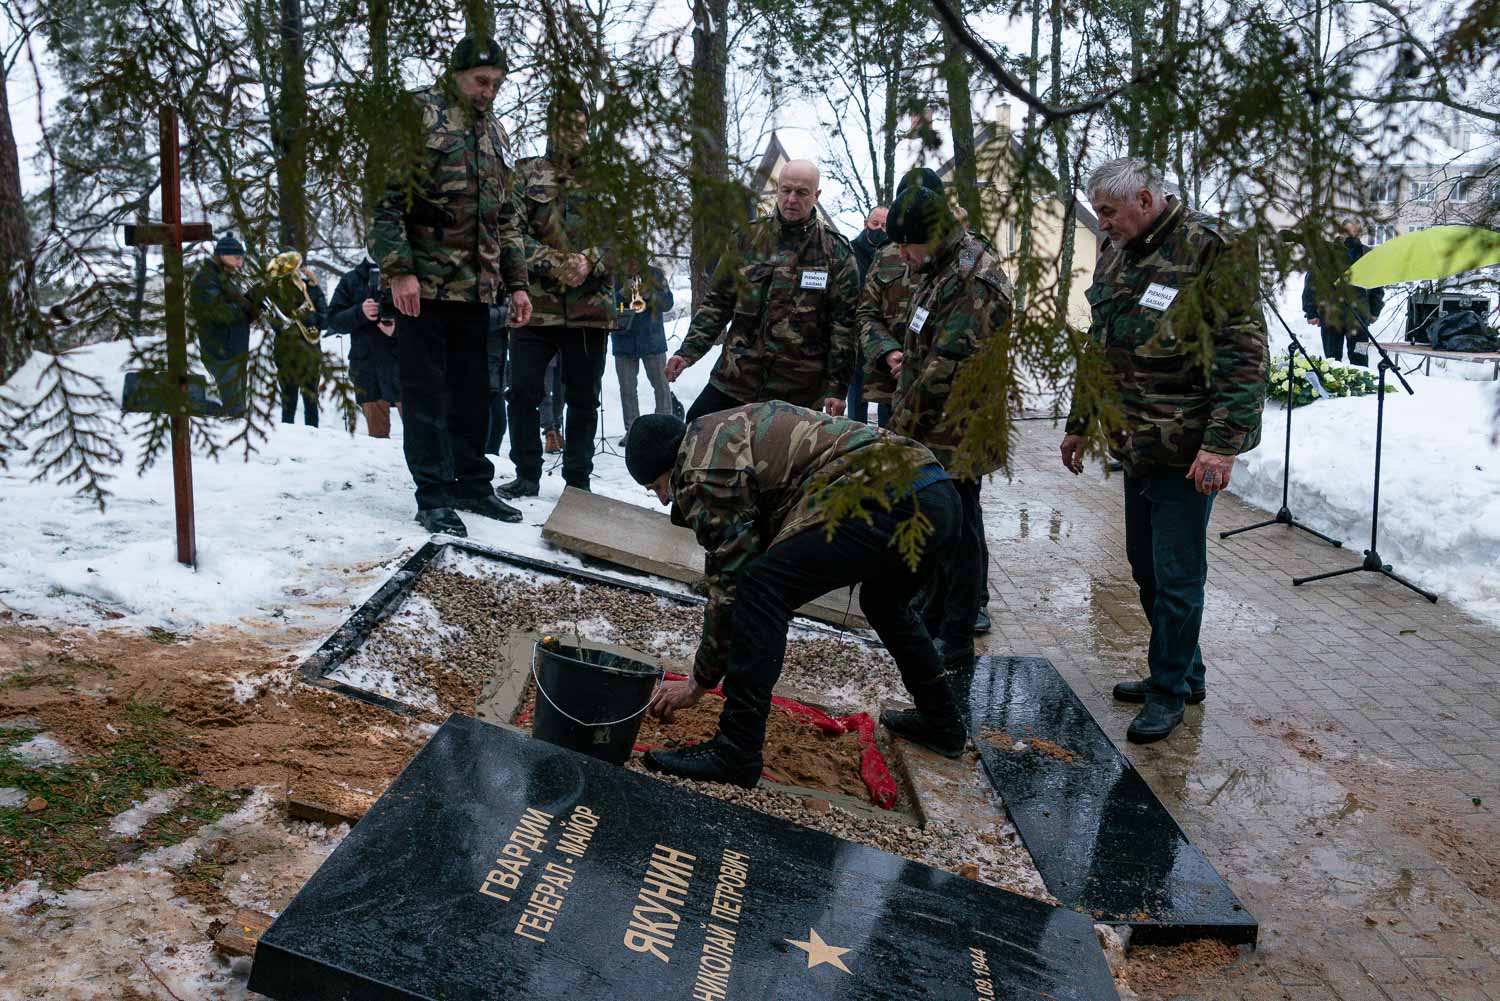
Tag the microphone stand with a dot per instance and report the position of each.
(1284, 516)
(1372, 561)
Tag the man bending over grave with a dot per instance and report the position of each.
(755, 483)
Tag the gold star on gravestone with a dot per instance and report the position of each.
(819, 951)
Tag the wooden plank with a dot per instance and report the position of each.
(321, 813)
(1427, 350)
(238, 938)
(638, 538)
(151, 234)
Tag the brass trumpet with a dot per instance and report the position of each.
(637, 301)
(283, 286)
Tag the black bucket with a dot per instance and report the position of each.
(590, 700)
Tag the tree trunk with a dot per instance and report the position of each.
(955, 73)
(1136, 112)
(380, 88)
(479, 20)
(17, 302)
(1065, 198)
(895, 61)
(138, 286)
(713, 208)
(291, 161)
(1031, 146)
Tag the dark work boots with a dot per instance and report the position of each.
(711, 761)
(1135, 691)
(945, 738)
(442, 521)
(519, 488)
(490, 507)
(1154, 722)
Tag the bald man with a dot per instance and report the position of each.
(786, 288)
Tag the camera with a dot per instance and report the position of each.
(387, 306)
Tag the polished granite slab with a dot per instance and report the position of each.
(497, 866)
(1102, 840)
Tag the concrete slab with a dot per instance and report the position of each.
(638, 538)
(947, 791)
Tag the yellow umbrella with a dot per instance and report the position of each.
(1436, 252)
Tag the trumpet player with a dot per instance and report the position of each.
(640, 341)
(298, 320)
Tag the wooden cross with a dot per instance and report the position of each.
(170, 234)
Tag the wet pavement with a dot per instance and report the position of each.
(1332, 773)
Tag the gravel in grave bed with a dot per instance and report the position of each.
(995, 857)
(437, 650)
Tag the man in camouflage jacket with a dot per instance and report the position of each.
(961, 302)
(786, 289)
(1182, 341)
(445, 237)
(883, 304)
(752, 483)
(573, 297)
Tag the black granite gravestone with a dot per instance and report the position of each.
(501, 867)
(1102, 840)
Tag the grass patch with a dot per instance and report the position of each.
(19, 735)
(23, 677)
(70, 838)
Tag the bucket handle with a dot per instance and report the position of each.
(624, 719)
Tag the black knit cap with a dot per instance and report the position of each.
(918, 216)
(922, 177)
(651, 446)
(472, 53)
(566, 101)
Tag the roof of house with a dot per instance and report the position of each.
(760, 177)
(1085, 212)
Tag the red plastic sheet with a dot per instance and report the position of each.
(873, 770)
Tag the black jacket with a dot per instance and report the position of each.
(1326, 299)
(221, 311)
(643, 334)
(344, 315)
(295, 357)
(865, 246)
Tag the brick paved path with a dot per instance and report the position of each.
(1330, 774)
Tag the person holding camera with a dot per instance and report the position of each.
(445, 236)
(369, 318)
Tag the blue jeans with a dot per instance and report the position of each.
(1166, 541)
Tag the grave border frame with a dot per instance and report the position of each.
(352, 633)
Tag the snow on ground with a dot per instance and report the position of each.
(296, 537)
(41, 750)
(129, 926)
(1439, 489)
(129, 823)
(317, 519)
